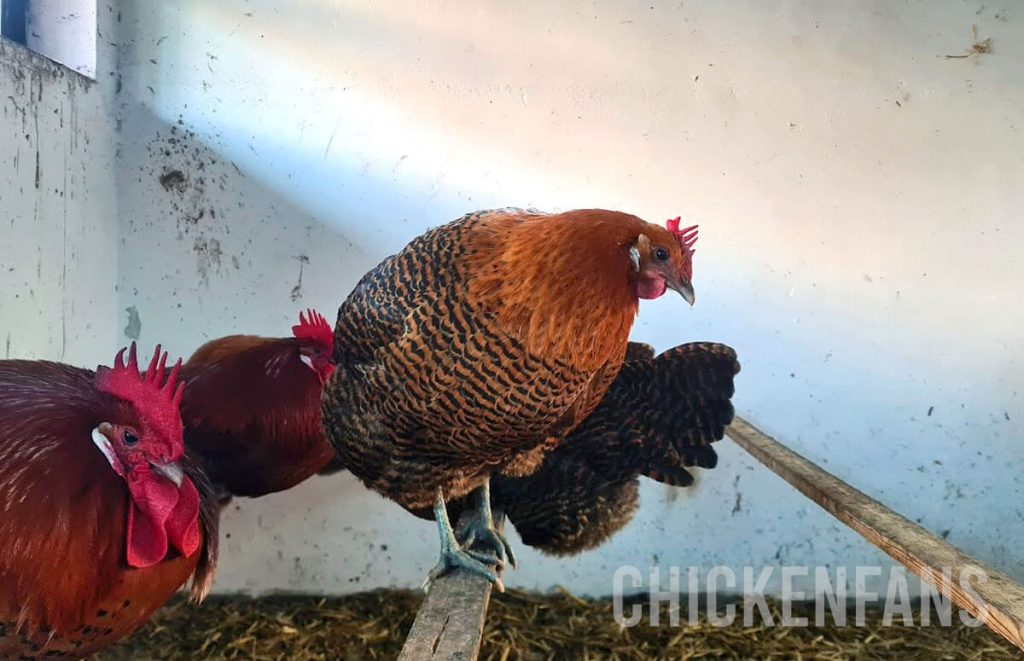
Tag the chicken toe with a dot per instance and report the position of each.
(453, 555)
(479, 531)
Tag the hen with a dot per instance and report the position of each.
(251, 408)
(480, 346)
(659, 417)
(104, 517)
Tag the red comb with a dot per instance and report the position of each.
(686, 237)
(312, 326)
(153, 395)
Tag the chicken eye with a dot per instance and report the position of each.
(130, 438)
(660, 254)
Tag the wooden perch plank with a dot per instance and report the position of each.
(1002, 599)
(450, 622)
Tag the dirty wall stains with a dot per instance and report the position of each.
(134, 328)
(208, 254)
(187, 172)
(58, 254)
(180, 164)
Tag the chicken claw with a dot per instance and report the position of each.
(480, 531)
(453, 555)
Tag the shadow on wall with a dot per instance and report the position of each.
(208, 251)
(361, 153)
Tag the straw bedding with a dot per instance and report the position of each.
(520, 626)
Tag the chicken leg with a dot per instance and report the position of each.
(454, 555)
(480, 529)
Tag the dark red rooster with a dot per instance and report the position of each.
(104, 517)
(481, 345)
(252, 407)
(659, 417)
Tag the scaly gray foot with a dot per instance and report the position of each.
(480, 531)
(452, 558)
(497, 549)
(453, 555)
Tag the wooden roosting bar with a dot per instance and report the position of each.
(450, 622)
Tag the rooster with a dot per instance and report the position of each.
(480, 346)
(104, 516)
(252, 408)
(660, 416)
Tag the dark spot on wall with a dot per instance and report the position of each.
(297, 289)
(134, 328)
(174, 181)
(208, 254)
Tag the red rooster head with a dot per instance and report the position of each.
(316, 349)
(144, 448)
(663, 259)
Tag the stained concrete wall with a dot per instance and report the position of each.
(58, 213)
(860, 197)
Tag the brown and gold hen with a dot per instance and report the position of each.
(481, 345)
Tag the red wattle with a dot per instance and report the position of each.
(147, 541)
(650, 287)
(182, 527)
(159, 514)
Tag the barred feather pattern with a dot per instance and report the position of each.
(659, 418)
(432, 391)
(579, 511)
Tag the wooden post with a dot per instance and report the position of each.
(1000, 600)
(450, 621)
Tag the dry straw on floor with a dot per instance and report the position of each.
(519, 626)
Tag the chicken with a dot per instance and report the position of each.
(480, 346)
(104, 517)
(251, 408)
(659, 417)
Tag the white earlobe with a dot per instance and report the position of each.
(307, 361)
(103, 443)
(634, 256)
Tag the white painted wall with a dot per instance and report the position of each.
(860, 198)
(58, 213)
(65, 31)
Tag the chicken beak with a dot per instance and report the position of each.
(172, 471)
(684, 288)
